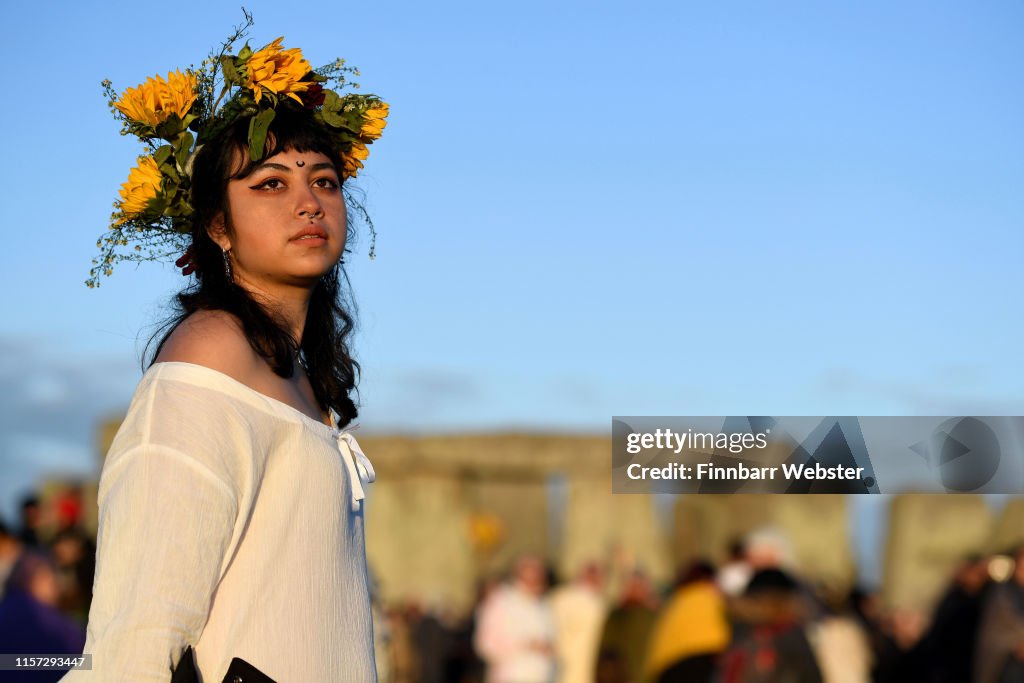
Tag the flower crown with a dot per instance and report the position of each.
(175, 116)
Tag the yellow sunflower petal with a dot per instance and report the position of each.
(142, 187)
(278, 71)
(153, 102)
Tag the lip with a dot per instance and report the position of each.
(311, 235)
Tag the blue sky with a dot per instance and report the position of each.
(585, 209)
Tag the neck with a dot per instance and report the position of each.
(290, 304)
(293, 311)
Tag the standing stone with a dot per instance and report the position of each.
(604, 527)
(417, 541)
(928, 536)
(1009, 529)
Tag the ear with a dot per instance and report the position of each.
(218, 232)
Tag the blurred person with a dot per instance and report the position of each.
(30, 622)
(627, 631)
(31, 521)
(735, 572)
(432, 641)
(892, 647)
(68, 508)
(466, 665)
(231, 503)
(515, 630)
(999, 654)
(839, 641)
(905, 626)
(403, 660)
(10, 549)
(768, 548)
(776, 648)
(579, 610)
(75, 556)
(691, 631)
(947, 647)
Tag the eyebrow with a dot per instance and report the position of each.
(287, 169)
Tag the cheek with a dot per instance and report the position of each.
(342, 220)
(249, 220)
(246, 214)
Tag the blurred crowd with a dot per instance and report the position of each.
(47, 563)
(752, 619)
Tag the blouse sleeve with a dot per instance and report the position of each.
(169, 499)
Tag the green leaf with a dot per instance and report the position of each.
(258, 126)
(170, 128)
(333, 103)
(157, 205)
(229, 69)
(178, 209)
(332, 110)
(332, 119)
(182, 148)
(184, 208)
(165, 161)
(162, 154)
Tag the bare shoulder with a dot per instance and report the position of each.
(213, 339)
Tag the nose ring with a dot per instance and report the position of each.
(311, 214)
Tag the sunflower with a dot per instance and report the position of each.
(352, 160)
(153, 102)
(278, 71)
(373, 121)
(142, 187)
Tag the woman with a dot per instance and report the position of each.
(691, 631)
(231, 501)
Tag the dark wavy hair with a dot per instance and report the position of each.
(330, 320)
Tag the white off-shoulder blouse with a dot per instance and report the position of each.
(232, 522)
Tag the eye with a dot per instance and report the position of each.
(269, 184)
(326, 183)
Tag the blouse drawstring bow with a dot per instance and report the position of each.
(360, 470)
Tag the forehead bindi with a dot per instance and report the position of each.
(288, 160)
(286, 168)
(285, 161)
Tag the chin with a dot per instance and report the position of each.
(307, 279)
(316, 274)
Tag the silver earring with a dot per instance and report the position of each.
(227, 265)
